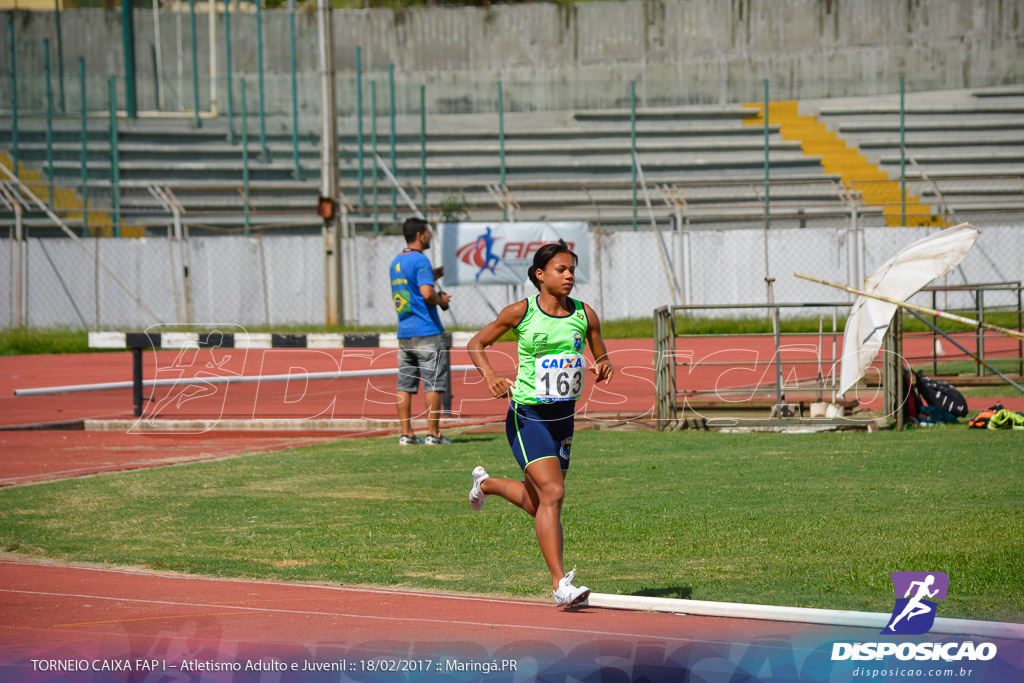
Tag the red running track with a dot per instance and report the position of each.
(630, 393)
(159, 626)
(55, 611)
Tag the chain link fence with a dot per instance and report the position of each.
(270, 279)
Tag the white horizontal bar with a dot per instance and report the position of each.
(108, 340)
(325, 340)
(179, 340)
(240, 379)
(254, 340)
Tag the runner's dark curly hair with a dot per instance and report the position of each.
(545, 254)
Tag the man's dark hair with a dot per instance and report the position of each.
(545, 254)
(413, 227)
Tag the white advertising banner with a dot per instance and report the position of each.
(501, 253)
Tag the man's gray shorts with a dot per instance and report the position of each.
(423, 358)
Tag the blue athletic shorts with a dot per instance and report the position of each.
(540, 431)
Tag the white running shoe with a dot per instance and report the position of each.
(476, 496)
(569, 595)
(438, 440)
(409, 440)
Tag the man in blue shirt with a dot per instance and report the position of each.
(421, 351)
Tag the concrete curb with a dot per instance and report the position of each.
(807, 615)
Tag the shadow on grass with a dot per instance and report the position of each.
(677, 592)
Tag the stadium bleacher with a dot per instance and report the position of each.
(704, 164)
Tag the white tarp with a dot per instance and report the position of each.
(899, 278)
(501, 253)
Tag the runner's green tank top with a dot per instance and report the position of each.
(551, 365)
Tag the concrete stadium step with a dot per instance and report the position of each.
(928, 141)
(700, 113)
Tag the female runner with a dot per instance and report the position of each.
(550, 329)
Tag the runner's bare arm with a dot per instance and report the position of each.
(602, 366)
(506, 320)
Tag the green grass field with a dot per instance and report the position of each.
(816, 520)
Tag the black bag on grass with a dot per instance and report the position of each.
(939, 394)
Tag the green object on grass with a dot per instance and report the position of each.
(1006, 419)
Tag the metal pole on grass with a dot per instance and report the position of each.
(632, 144)
(245, 157)
(297, 171)
(85, 151)
(60, 56)
(227, 70)
(14, 93)
(264, 152)
(394, 162)
(49, 121)
(359, 123)
(195, 66)
(115, 171)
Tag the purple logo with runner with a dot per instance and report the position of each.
(914, 612)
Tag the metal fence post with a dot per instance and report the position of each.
(423, 145)
(373, 147)
(903, 153)
(85, 151)
(227, 70)
(60, 57)
(14, 94)
(195, 66)
(156, 75)
(115, 171)
(359, 123)
(394, 158)
(264, 152)
(981, 333)
(632, 144)
(49, 122)
(157, 56)
(501, 144)
(128, 28)
(245, 157)
(767, 169)
(297, 172)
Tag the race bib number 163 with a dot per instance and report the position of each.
(559, 377)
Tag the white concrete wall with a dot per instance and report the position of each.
(229, 280)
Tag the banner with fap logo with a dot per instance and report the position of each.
(501, 253)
